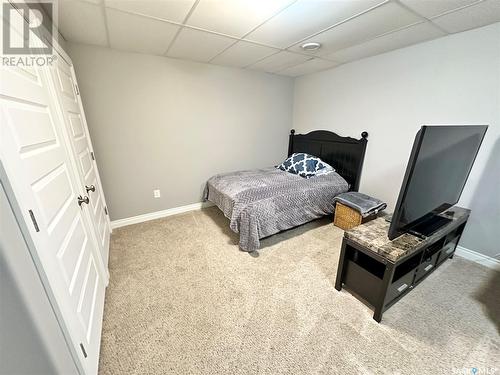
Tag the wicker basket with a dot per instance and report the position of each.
(347, 218)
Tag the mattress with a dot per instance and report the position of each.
(263, 202)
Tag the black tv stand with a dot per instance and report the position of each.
(428, 227)
(380, 271)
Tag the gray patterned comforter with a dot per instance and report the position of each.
(263, 202)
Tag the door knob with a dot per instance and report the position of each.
(83, 200)
(90, 188)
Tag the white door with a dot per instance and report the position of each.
(37, 161)
(67, 93)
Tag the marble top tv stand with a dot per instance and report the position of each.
(381, 272)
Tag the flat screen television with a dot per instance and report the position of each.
(440, 162)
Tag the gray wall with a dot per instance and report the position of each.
(170, 124)
(160, 123)
(451, 80)
(31, 341)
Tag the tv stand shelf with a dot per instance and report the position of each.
(381, 271)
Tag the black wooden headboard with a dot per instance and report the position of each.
(345, 154)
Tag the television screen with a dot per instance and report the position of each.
(440, 162)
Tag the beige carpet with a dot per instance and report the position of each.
(183, 299)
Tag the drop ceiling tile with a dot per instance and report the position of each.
(198, 45)
(381, 20)
(306, 17)
(139, 34)
(243, 54)
(74, 19)
(398, 39)
(175, 11)
(311, 66)
(482, 14)
(234, 17)
(279, 61)
(432, 8)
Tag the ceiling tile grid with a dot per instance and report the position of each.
(174, 11)
(433, 8)
(383, 19)
(305, 18)
(388, 42)
(139, 34)
(243, 54)
(279, 61)
(311, 66)
(477, 15)
(206, 45)
(267, 35)
(234, 17)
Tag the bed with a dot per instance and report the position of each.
(263, 202)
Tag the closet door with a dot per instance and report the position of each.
(37, 161)
(67, 93)
(39, 169)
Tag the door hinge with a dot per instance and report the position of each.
(92, 155)
(33, 219)
(105, 210)
(77, 90)
(83, 350)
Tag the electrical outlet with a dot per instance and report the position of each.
(156, 193)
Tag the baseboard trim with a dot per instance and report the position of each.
(159, 214)
(479, 258)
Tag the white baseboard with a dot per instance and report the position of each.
(477, 257)
(159, 214)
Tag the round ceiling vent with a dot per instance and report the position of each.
(311, 46)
